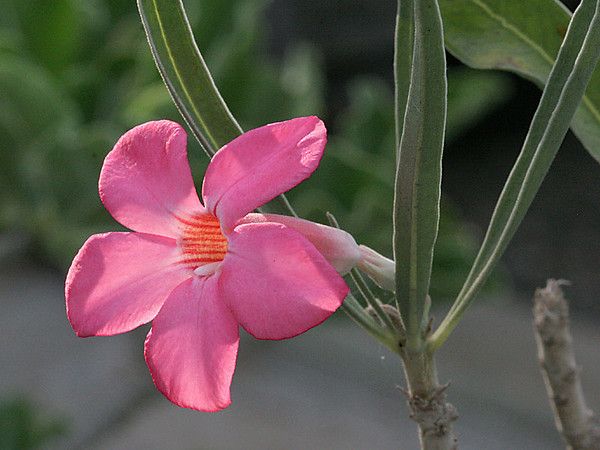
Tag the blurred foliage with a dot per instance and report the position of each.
(22, 428)
(75, 75)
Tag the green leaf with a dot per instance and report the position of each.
(418, 169)
(403, 54)
(185, 73)
(522, 37)
(570, 75)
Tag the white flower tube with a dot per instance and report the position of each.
(379, 268)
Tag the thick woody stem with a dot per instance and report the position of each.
(427, 403)
(573, 419)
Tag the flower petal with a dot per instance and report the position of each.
(119, 281)
(277, 283)
(261, 164)
(192, 347)
(337, 246)
(146, 179)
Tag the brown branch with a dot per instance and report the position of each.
(573, 419)
(427, 403)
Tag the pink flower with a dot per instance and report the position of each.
(197, 272)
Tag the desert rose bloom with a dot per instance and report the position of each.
(199, 271)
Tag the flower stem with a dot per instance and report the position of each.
(362, 318)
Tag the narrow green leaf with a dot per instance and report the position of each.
(189, 81)
(185, 73)
(522, 37)
(418, 170)
(573, 70)
(403, 53)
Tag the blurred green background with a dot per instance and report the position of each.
(75, 75)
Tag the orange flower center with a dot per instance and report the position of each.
(202, 241)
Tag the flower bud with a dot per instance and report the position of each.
(379, 268)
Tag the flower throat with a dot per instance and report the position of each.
(202, 241)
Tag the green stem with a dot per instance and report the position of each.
(358, 314)
(372, 301)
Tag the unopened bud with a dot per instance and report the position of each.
(390, 311)
(379, 268)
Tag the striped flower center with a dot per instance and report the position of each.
(202, 241)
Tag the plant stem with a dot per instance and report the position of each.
(573, 419)
(387, 337)
(427, 402)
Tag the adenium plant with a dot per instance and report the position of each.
(198, 270)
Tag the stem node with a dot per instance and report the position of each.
(427, 402)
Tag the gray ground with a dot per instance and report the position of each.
(332, 388)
